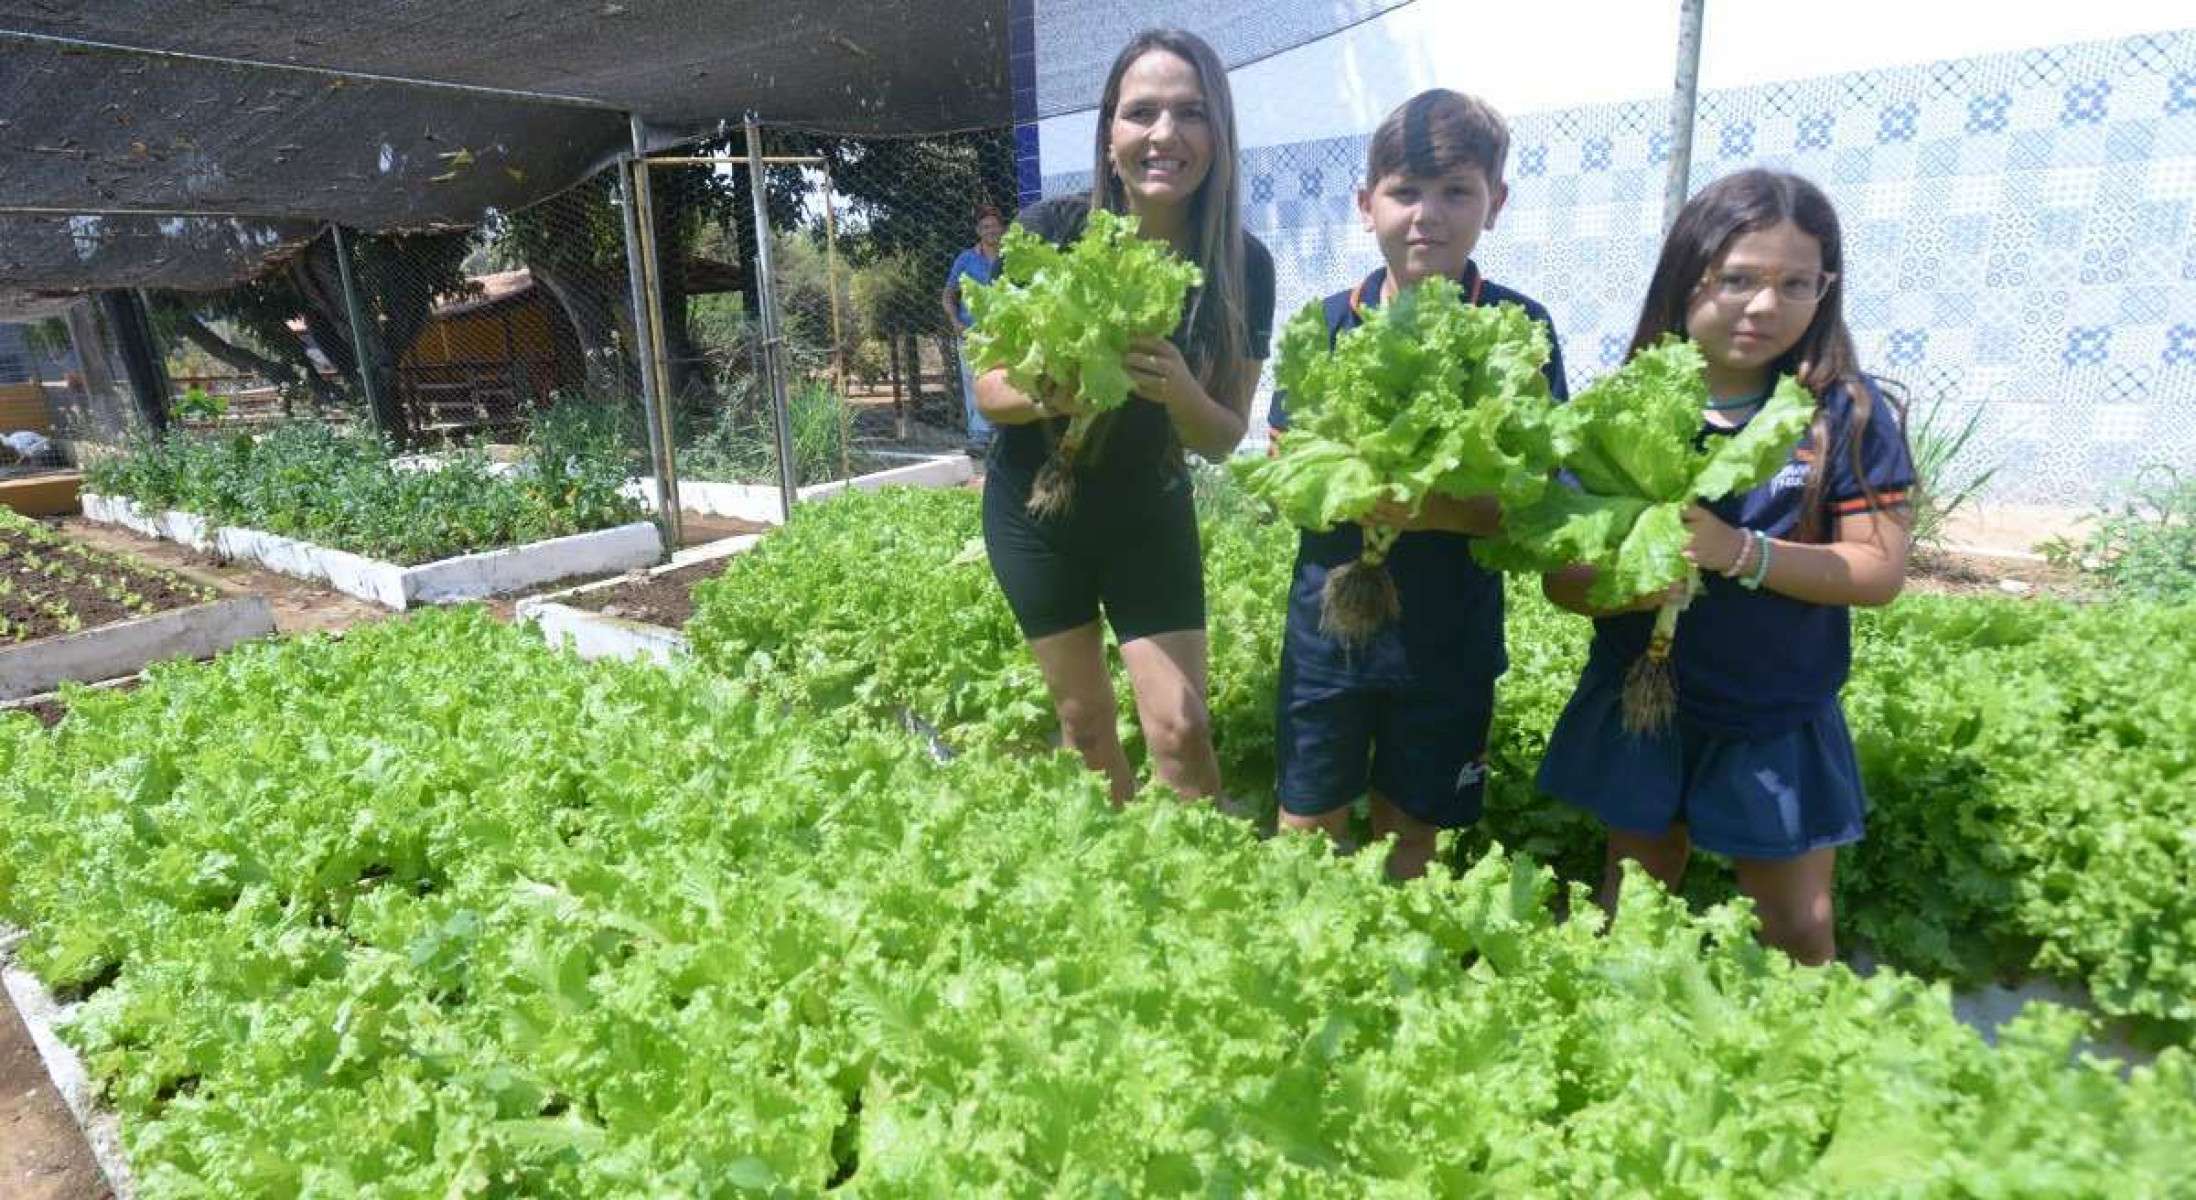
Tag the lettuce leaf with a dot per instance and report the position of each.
(1429, 395)
(1632, 450)
(1061, 318)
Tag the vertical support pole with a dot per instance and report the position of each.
(142, 362)
(766, 297)
(111, 418)
(641, 282)
(359, 350)
(1683, 103)
(838, 332)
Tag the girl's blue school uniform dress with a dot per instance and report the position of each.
(1759, 763)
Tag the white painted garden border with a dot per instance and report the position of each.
(127, 647)
(466, 577)
(593, 635)
(41, 1012)
(761, 504)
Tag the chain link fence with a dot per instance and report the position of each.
(862, 234)
(478, 336)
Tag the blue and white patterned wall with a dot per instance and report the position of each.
(2021, 236)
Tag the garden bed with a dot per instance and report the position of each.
(634, 616)
(465, 577)
(507, 940)
(70, 614)
(42, 1013)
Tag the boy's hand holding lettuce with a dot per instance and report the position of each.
(1430, 395)
(1637, 457)
(1060, 321)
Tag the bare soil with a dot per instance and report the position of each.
(1951, 573)
(299, 607)
(34, 592)
(43, 1155)
(666, 599)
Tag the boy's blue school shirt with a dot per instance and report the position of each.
(1450, 633)
(1755, 664)
(972, 263)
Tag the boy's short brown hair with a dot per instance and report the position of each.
(1435, 132)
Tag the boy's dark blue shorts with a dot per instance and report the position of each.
(1764, 798)
(1423, 748)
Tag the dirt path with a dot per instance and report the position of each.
(43, 1155)
(298, 606)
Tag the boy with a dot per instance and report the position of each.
(1406, 713)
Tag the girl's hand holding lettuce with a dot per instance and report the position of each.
(1640, 463)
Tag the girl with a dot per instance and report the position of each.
(1759, 765)
(1128, 547)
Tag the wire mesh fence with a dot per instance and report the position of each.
(480, 336)
(862, 234)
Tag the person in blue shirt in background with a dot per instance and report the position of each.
(979, 262)
(1406, 714)
(1759, 765)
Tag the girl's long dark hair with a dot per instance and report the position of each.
(1823, 358)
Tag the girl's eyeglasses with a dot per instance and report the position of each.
(1740, 287)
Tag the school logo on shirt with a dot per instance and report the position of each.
(1473, 774)
(1794, 474)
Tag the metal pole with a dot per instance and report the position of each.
(640, 261)
(1682, 105)
(646, 218)
(359, 351)
(766, 299)
(838, 335)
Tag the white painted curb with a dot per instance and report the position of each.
(750, 503)
(41, 1012)
(467, 577)
(592, 635)
(127, 647)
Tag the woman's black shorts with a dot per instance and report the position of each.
(1132, 553)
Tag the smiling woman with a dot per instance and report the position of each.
(1127, 549)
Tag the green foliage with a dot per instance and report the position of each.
(197, 404)
(897, 295)
(2145, 545)
(884, 602)
(1946, 479)
(433, 910)
(338, 488)
(1429, 395)
(2030, 767)
(739, 445)
(1638, 467)
(2027, 764)
(805, 615)
(1061, 319)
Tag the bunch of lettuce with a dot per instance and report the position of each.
(1635, 451)
(435, 910)
(1431, 395)
(1059, 320)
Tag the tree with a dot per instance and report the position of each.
(399, 278)
(911, 206)
(574, 244)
